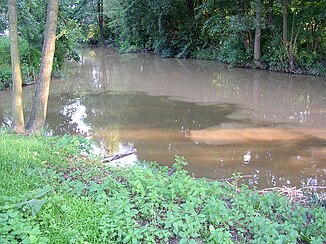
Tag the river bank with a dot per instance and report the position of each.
(316, 69)
(53, 191)
(29, 77)
(214, 115)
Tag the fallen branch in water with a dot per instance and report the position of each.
(118, 156)
(234, 178)
(314, 187)
(211, 180)
(28, 84)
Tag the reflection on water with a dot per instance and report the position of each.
(271, 126)
(75, 112)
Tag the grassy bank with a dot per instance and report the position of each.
(51, 193)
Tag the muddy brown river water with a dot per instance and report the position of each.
(270, 126)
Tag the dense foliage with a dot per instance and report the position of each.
(31, 22)
(223, 30)
(292, 39)
(51, 193)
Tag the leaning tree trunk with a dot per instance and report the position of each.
(17, 89)
(40, 102)
(257, 52)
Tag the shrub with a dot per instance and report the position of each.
(232, 52)
(5, 76)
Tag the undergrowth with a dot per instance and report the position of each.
(52, 192)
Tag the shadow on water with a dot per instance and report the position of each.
(268, 125)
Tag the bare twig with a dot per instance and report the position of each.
(294, 194)
(118, 156)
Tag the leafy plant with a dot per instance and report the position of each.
(81, 200)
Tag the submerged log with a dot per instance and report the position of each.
(171, 171)
(29, 84)
(118, 156)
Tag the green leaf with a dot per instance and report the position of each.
(43, 191)
(211, 228)
(184, 241)
(36, 205)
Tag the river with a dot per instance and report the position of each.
(270, 127)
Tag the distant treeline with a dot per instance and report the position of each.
(279, 35)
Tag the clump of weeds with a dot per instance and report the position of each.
(53, 191)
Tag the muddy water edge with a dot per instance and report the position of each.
(268, 126)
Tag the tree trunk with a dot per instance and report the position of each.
(271, 15)
(285, 23)
(191, 8)
(40, 102)
(100, 21)
(17, 89)
(257, 53)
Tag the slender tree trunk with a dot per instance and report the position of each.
(257, 52)
(285, 23)
(271, 16)
(241, 15)
(40, 102)
(250, 38)
(191, 8)
(270, 11)
(17, 89)
(100, 21)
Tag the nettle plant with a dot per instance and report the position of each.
(79, 199)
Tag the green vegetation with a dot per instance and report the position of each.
(52, 192)
(30, 60)
(31, 24)
(292, 36)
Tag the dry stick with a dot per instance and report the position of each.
(233, 178)
(294, 194)
(227, 179)
(118, 156)
(316, 187)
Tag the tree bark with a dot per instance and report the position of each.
(257, 52)
(285, 23)
(40, 102)
(271, 15)
(100, 21)
(270, 12)
(17, 89)
(191, 8)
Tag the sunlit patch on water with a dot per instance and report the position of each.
(222, 136)
(247, 157)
